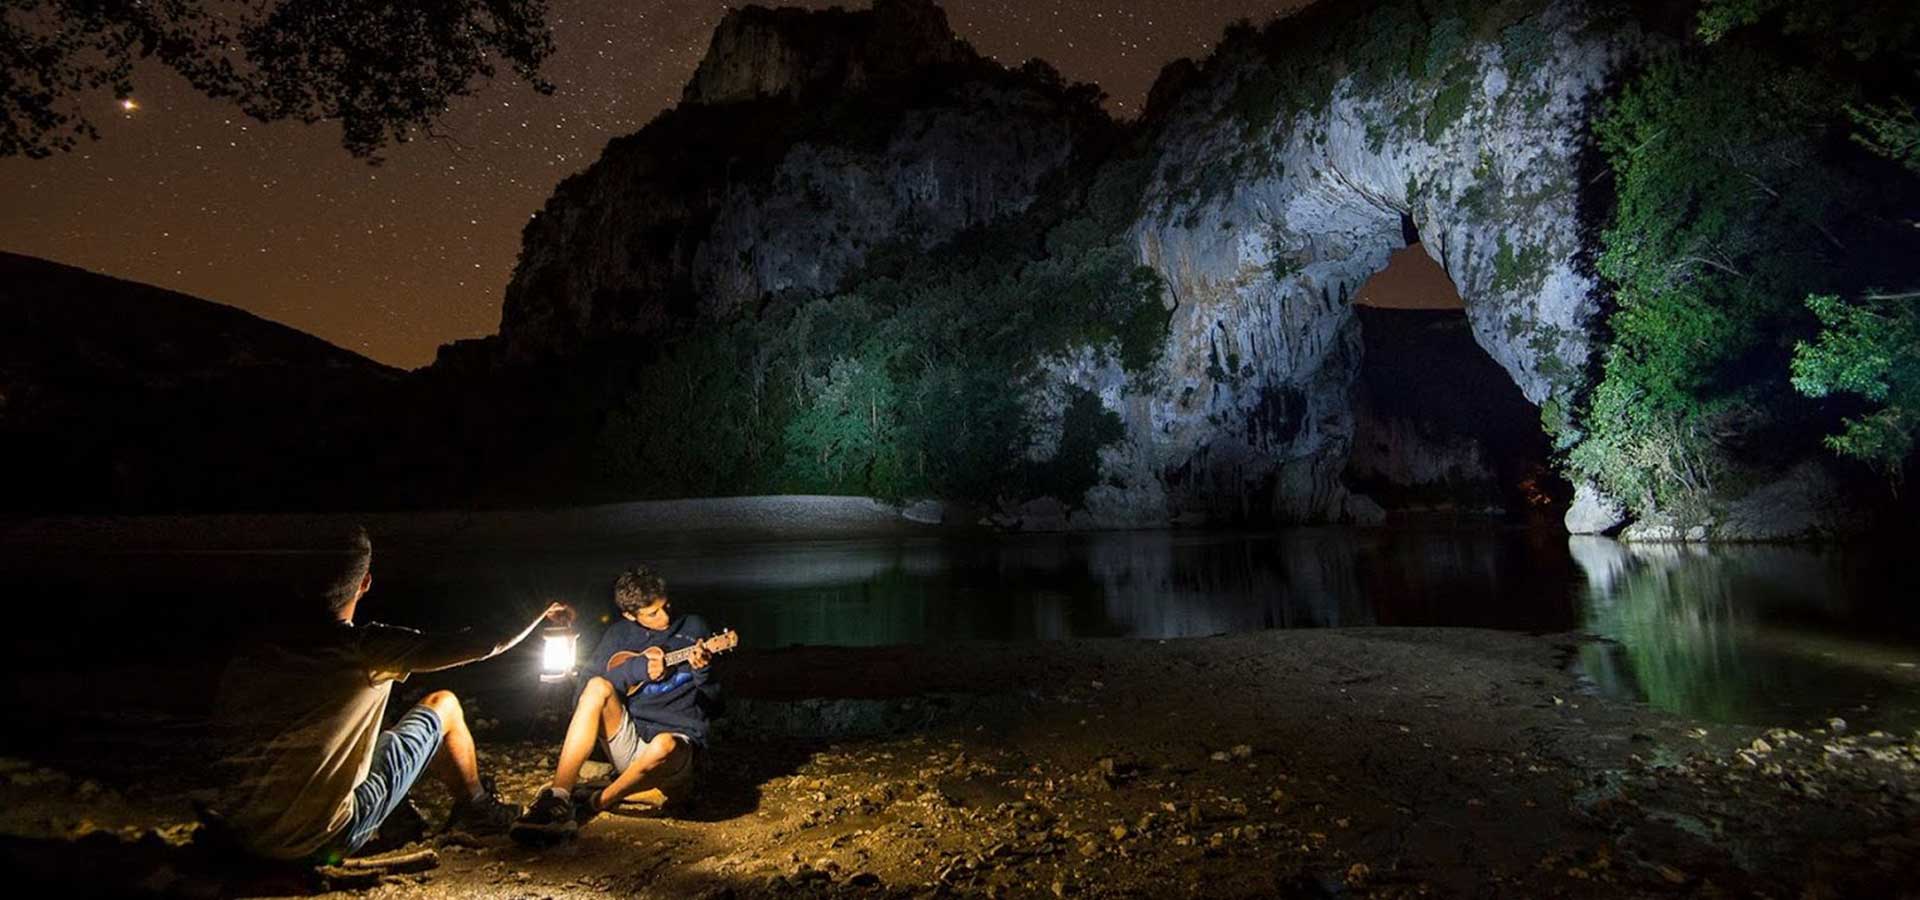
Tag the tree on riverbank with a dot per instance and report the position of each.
(1870, 345)
(1740, 192)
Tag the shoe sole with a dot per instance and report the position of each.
(543, 834)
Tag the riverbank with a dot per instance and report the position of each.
(1340, 762)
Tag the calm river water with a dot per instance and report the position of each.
(1762, 635)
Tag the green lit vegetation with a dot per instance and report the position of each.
(1524, 46)
(907, 381)
(1450, 102)
(1737, 197)
(1869, 347)
(1518, 269)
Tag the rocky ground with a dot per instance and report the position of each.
(1364, 763)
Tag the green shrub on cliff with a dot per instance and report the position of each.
(1737, 196)
(909, 380)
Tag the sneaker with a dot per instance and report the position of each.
(585, 800)
(549, 820)
(488, 815)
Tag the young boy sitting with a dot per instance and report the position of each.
(313, 776)
(648, 717)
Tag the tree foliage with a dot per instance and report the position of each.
(383, 70)
(1869, 347)
(1737, 195)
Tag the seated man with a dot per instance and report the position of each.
(314, 776)
(649, 718)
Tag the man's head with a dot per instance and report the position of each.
(344, 570)
(641, 595)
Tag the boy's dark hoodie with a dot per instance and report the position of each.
(674, 704)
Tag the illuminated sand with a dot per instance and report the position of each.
(1337, 762)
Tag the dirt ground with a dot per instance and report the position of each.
(1332, 763)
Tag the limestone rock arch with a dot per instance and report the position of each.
(1265, 217)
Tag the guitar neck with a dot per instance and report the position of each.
(676, 657)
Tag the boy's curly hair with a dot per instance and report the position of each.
(638, 588)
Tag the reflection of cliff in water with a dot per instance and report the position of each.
(1754, 634)
(900, 591)
(1136, 584)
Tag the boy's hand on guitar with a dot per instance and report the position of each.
(699, 657)
(656, 663)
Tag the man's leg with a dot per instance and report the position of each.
(663, 759)
(597, 713)
(399, 756)
(457, 765)
(476, 808)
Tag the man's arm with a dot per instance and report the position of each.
(447, 651)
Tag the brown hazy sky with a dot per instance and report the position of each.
(394, 260)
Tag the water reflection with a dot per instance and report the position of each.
(902, 591)
(1755, 634)
(1138, 584)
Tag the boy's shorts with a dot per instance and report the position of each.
(623, 746)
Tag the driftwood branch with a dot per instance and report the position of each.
(369, 871)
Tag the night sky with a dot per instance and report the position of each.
(392, 261)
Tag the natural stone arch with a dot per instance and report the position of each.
(1263, 230)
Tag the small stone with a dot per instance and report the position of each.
(1836, 725)
(1242, 751)
(1761, 746)
(1119, 832)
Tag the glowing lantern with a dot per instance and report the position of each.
(556, 653)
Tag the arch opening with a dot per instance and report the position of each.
(1439, 426)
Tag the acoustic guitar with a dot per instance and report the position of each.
(726, 640)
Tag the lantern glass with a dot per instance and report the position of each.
(556, 655)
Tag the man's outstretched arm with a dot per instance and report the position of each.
(460, 648)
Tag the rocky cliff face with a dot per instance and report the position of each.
(796, 54)
(1276, 177)
(1288, 170)
(805, 141)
